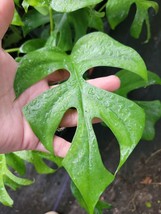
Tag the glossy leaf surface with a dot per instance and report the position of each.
(125, 118)
(72, 5)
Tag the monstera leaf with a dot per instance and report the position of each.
(9, 179)
(130, 82)
(117, 11)
(44, 114)
(18, 160)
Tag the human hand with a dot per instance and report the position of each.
(15, 132)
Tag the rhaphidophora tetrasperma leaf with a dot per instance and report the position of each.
(16, 161)
(125, 118)
(117, 11)
(130, 82)
(9, 179)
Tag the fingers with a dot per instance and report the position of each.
(109, 83)
(31, 142)
(6, 15)
(60, 146)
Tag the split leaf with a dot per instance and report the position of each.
(9, 179)
(117, 11)
(44, 114)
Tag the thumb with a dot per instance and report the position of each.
(6, 15)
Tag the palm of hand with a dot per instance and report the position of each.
(14, 131)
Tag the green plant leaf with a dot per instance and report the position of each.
(37, 159)
(32, 45)
(100, 206)
(9, 179)
(32, 20)
(69, 27)
(44, 114)
(153, 114)
(117, 11)
(16, 19)
(72, 5)
(17, 2)
(16, 163)
(25, 5)
(131, 81)
(38, 3)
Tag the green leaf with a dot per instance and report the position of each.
(38, 3)
(131, 81)
(33, 20)
(37, 159)
(32, 45)
(75, 191)
(95, 20)
(72, 5)
(153, 114)
(69, 27)
(16, 163)
(117, 11)
(17, 2)
(100, 206)
(44, 114)
(9, 179)
(16, 19)
(25, 5)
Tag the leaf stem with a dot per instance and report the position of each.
(11, 50)
(100, 10)
(51, 20)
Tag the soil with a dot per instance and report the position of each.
(137, 187)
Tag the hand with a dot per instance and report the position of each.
(15, 132)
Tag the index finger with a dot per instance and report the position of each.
(6, 15)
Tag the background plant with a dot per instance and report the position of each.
(58, 35)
